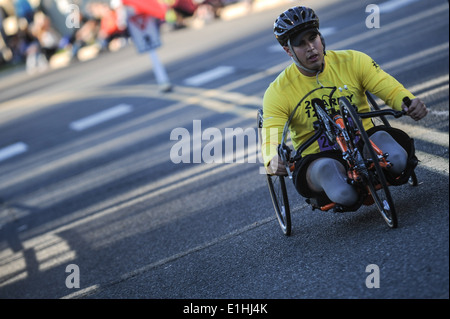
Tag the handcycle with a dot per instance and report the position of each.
(344, 131)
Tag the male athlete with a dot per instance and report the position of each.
(321, 172)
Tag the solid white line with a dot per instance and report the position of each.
(425, 134)
(101, 117)
(209, 76)
(12, 150)
(432, 162)
(418, 57)
(82, 292)
(434, 82)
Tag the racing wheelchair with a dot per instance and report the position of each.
(367, 164)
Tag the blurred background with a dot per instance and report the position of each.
(50, 33)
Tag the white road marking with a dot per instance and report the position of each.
(12, 150)
(434, 82)
(416, 59)
(209, 76)
(433, 162)
(423, 133)
(393, 5)
(327, 31)
(101, 117)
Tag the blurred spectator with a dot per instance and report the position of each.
(85, 35)
(183, 9)
(5, 51)
(201, 11)
(113, 26)
(48, 38)
(24, 10)
(34, 37)
(45, 44)
(108, 23)
(207, 11)
(8, 31)
(144, 21)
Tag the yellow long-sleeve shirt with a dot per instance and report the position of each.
(354, 69)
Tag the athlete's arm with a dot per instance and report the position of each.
(276, 166)
(389, 89)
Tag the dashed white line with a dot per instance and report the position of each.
(209, 76)
(12, 150)
(101, 117)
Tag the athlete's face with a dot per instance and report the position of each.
(309, 51)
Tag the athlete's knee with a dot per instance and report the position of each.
(324, 167)
(343, 194)
(329, 175)
(321, 170)
(397, 155)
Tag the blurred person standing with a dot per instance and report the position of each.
(183, 9)
(144, 21)
(113, 26)
(86, 34)
(24, 10)
(45, 45)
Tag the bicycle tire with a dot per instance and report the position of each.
(277, 190)
(382, 197)
(278, 193)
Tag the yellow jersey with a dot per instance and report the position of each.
(351, 69)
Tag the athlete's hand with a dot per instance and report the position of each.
(276, 166)
(417, 110)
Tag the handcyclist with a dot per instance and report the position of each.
(321, 172)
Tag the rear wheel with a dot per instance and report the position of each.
(278, 193)
(375, 179)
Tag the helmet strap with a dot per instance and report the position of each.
(297, 62)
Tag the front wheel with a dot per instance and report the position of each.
(375, 179)
(277, 189)
(278, 193)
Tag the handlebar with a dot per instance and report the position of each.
(320, 130)
(394, 113)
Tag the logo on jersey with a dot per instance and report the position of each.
(375, 64)
(311, 112)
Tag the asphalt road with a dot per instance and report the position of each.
(111, 198)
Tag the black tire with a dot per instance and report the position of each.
(375, 177)
(277, 189)
(278, 193)
(413, 180)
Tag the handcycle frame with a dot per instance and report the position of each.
(341, 129)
